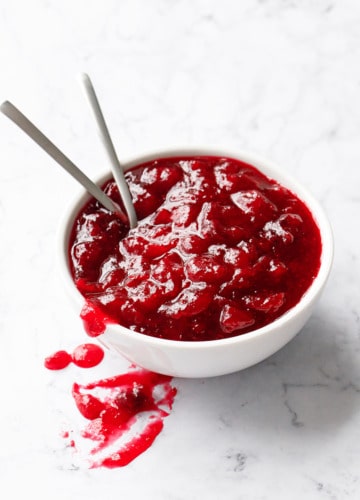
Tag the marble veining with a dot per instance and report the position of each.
(279, 77)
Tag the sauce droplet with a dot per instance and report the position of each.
(84, 356)
(57, 361)
(87, 355)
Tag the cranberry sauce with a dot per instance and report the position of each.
(125, 414)
(220, 250)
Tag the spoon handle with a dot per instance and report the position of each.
(109, 147)
(36, 135)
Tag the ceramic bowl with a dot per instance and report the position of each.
(214, 357)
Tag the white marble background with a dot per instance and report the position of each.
(280, 77)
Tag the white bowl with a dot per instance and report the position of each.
(214, 357)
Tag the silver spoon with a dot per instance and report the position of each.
(109, 147)
(36, 135)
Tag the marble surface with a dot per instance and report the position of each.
(279, 77)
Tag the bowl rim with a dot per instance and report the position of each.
(266, 166)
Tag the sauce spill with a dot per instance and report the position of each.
(125, 414)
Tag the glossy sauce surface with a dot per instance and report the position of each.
(220, 250)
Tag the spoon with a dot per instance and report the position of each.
(109, 147)
(15, 115)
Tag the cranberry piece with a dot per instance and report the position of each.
(147, 295)
(111, 189)
(157, 248)
(130, 313)
(269, 269)
(134, 399)
(230, 177)
(208, 222)
(237, 257)
(161, 178)
(291, 222)
(84, 254)
(241, 280)
(135, 279)
(266, 303)
(201, 177)
(273, 231)
(233, 234)
(233, 318)
(112, 278)
(168, 272)
(193, 243)
(157, 242)
(144, 201)
(207, 268)
(191, 301)
(184, 215)
(228, 214)
(172, 260)
(162, 216)
(276, 270)
(256, 208)
(182, 194)
(133, 244)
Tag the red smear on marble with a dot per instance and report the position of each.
(125, 414)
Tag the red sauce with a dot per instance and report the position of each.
(87, 355)
(58, 360)
(84, 356)
(125, 414)
(220, 250)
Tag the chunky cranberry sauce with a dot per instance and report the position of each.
(220, 250)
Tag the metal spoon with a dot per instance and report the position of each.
(109, 147)
(36, 135)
